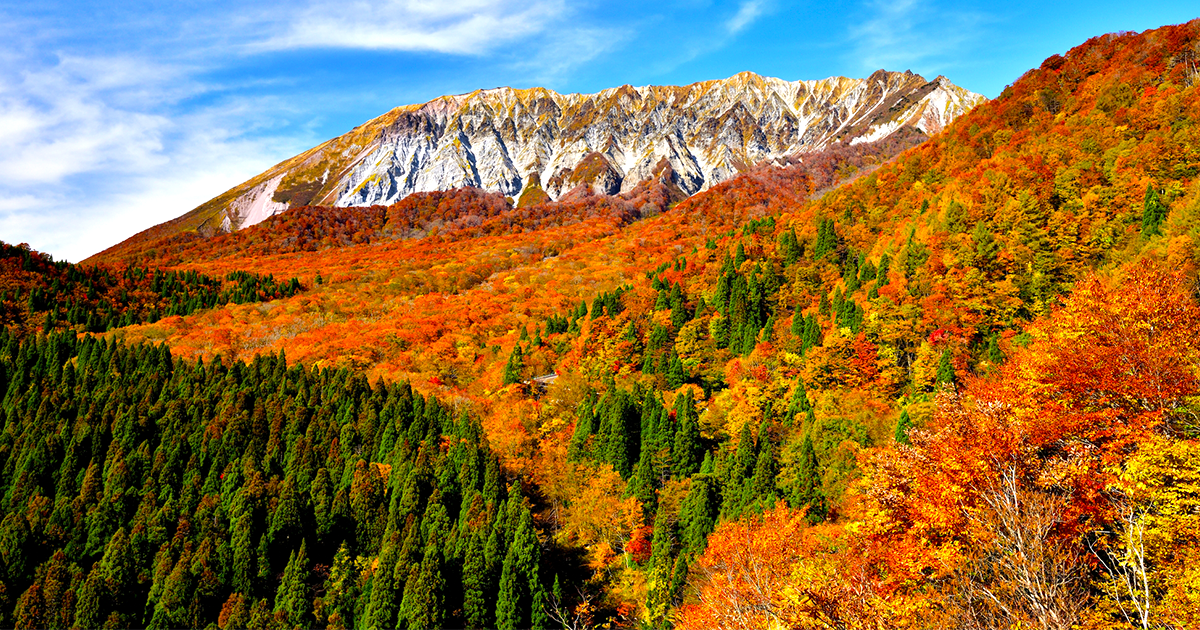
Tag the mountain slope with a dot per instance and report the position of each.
(509, 141)
(962, 371)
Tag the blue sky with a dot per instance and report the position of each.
(117, 118)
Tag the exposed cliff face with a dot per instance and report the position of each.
(506, 140)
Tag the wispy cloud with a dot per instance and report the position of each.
(94, 149)
(903, 34)
(559, 54)
(456, 27)
(748, 12)
(68, 119)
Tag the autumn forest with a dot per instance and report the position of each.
(943, 382)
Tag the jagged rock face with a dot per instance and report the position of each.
(503, 140)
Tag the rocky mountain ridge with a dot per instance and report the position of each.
(537, 145)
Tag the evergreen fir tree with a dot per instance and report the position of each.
(812, 334)
(791, 247)
(292, 596)
(718, 329)
(423, 604)
(644, 483)
(514, 370)
(385, 587)
(520, 586)
(762, 484)
(89, 605)
(1153, 212)
(985, 246)
(675, 373)
(798, 404)
(686, 451)
(630, 333)
(749, 338)
(902, 427)
(658, 597)
(945, 369)
(621, 433)
(826, 239)
(585, 427)
(768, 333)
(745, 454)
(698, 515)
(244, 571)
(994, 354)
(915, 255)
(808, 489)
(679, 578)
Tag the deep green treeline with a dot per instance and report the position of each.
(43, 294)
(139, 490)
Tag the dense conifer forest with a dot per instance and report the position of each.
(140, 490)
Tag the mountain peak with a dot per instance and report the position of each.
(506, 140)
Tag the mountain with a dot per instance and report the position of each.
(537, 144)
(868, 388)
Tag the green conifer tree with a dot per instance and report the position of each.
(661, 566)
(698, 515)
(291, 598)
(687, 450)
(798, 404)
(520, 586)
(749, 338)
(514, 370)
(945, 369)
(985, 246)
(423, 605)
(902, 427)
(675, 372)
(808, 489)
(89, 605)
(994, 354)
(644, 483)
(386, 589)
(1153, 212)
(762, 484)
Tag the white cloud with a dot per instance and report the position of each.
(456, 27)
(707, 42)
(747, 13)
(560, 53)
(903, 34)
(94, 150)
(60, 121)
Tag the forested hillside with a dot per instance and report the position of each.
(36, 291)
(961, 389)
(141, 491)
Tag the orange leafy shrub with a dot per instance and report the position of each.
(776, 571)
